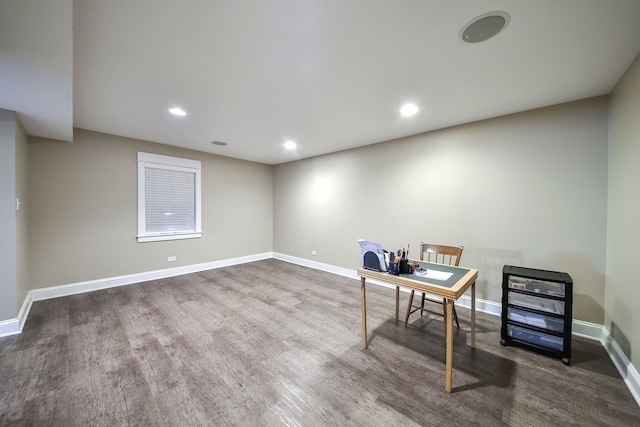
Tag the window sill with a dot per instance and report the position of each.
(169, 236)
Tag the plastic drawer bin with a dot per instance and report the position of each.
(537, 311)
(534, 319)
(538, 303)
(537, 286)
(535, 338)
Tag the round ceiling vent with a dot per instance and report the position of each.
(220, 143)
(484, 27)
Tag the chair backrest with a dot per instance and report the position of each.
(440, 254)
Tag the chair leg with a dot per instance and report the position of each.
(422, 309)
(455, 316)
(406, 319)
(444, 312)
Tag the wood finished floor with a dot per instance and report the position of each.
(271, 343)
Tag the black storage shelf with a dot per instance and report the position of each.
(537, 311)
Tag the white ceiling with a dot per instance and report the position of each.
(36, 65)
(329, 74)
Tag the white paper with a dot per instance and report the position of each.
(368, 245)
(434, 274)
(536, 320)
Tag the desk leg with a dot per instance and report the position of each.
(449, 330)
(473, 315)
(397, 302)
(364, 312)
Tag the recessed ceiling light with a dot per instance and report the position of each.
(220, 143)
(484, 27)
(409, 110)
(290, 145)
(177, 111)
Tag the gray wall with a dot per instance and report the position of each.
(83, 213)
(22, 215)
(8, 235)
(623, 228)
(13, 223)
(526, 189)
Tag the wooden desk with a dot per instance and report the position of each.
(451, 290)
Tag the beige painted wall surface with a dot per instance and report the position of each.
(622, 299)
(83, 214)
(527, 189)
(22, 214)
(8, 235)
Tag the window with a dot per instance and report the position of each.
(168, 198)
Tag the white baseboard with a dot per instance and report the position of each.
(14, 326)
(623, 364)
(583, 329)
(579, 328)
(9, 327)
(340, 271)
(111, 282)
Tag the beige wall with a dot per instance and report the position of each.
(526, 189)
(8, 217)
(22, 216)
(83, 213)
(622, 299)
(13, 222)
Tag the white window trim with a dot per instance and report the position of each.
(174, 163)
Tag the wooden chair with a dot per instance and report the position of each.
(440, 254)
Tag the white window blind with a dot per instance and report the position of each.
(168, 198)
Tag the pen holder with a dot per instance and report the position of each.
(404, 267)
(393, 268)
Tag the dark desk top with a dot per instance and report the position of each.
(456, 274)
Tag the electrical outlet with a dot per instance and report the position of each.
(171, 258)
(314, 253)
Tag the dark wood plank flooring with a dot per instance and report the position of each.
(271, 343)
